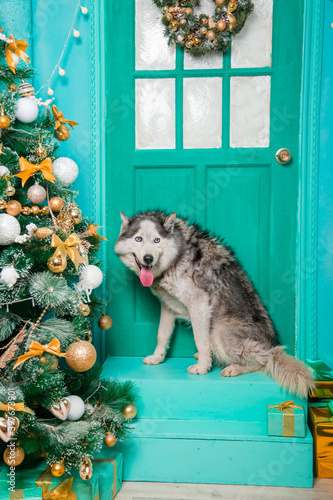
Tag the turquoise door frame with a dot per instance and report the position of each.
(306, 305)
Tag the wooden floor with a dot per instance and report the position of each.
(323, 490)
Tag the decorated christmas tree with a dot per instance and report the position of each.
(53, 403)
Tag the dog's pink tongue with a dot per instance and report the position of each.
(146, 276)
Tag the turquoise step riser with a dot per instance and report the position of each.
(220, 462)
(168, 391)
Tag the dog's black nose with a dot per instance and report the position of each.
(148, 259)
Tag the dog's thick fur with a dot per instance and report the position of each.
(199, 279)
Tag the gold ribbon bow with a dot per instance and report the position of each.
(63, 490)
(17, 47)
(288, 424)
(59, 118)
(14, 407)
(37, 349)
(28, 169)
(68, 247)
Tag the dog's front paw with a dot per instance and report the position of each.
(197, 369)
(153, 360)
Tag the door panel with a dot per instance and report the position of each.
(199, 136)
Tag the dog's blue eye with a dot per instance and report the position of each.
(138, 239)
(157, 240)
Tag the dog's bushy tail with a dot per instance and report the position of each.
(289, 372)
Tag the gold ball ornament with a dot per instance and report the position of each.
(196, 41)
(174, 26)
(40, 151)
(10, 190)
(56, 265)
(221, 25)
(84, 309)
(105, 322)
(232, 6)
(219, 2)
(204, 20)
(210, 35)
(35, 210)
(189, 44)
(81, 356)
(42, 232)
(86, 470)
(36, 194)
(188, 11)
(182, 22)
(58, 469)
(211, 23)
(3, 204)
(62, 133)
(231, 19)
(56, 204)
(26, 210)
(129, 411)
(203, 31)
(13, 455)
(110, 440)
(13, 207)
(168, 17)
(43, 360)
(45, 210)
(4, 121)
(76, 214)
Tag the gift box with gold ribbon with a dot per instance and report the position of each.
(324, 380)
(286, 419)
(321, 426)
(39, 483)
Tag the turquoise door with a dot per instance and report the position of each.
(199, 137)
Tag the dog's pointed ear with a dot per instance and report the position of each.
(170, 221)
(124, 222)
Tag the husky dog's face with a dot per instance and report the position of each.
(146, 244)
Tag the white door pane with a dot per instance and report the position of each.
(212, 60)
(152, 51)
(252, 47)
(155, 113)
(202, 112)
(249, 111)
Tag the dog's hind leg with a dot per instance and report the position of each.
(236, 369)
(165, 329)
(200, 314)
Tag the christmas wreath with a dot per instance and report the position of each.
(200, 34)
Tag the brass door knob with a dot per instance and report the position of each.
(283, 156)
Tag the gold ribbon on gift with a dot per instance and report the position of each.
(288, 423)
(28, 169)
(59, 118)
(114, 463)
(14, 407)
(63, 490)
(68, 247)
(17, 47)
(37, 349)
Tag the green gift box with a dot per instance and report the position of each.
(286, 420)
(105, 483)
(324, 380)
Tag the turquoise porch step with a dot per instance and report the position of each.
(207, 429)
(168, 391)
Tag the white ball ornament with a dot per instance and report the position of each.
(10, 229)
(92, 275)
(26, 110)
(65, 170)
(4, 171)
(77, 408)
(36, 194)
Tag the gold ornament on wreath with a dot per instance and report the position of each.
(13, 455)
(188, 29)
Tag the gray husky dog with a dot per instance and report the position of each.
(198, 279)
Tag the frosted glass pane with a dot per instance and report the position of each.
(252, 47)
(155, 113)
(209, 61)
(249, 111)
(202, 112)
(151, 46)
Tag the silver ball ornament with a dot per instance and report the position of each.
(65, 170)
(36, 194)
(26, 110)
(77, 408)
(9, 229)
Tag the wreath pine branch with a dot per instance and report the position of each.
(201, 34)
